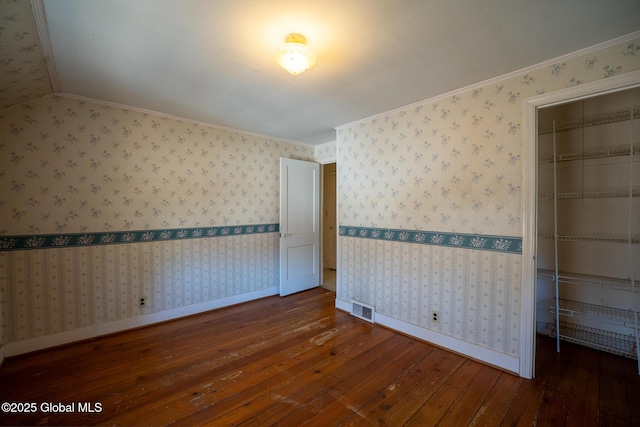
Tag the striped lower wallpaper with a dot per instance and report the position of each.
(61, 289)
(49, 288)
(476, 292)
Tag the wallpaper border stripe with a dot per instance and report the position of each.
(42, 241)
(504, 244)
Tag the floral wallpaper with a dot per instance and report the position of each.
(196, 205)
(455, 163)
(147, 206)
(23, 71)
(325, 153)
(476, 293)
(48, 291)
(72, 166)
(452, 166)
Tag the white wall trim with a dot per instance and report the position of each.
(40, 343)
(474, 351)
(343, 305)
(37, 6)
(332, 158)
(327, 160)
(162, 115)
(172, 117)
(530, 69)
(529, 241)
(529, 224)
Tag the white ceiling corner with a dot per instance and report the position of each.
(211, 61)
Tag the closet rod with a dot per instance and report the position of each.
(594, 120)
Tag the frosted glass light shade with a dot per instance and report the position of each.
(294, 56)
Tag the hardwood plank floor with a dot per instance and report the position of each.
(298, 361)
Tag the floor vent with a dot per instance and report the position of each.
(362, 310)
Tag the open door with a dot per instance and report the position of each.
(299, 226)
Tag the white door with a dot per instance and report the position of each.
(299, 226)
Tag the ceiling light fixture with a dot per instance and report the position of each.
(294, 55)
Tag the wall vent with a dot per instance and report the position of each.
(363, 311)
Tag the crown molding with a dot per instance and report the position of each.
(172, 117)
(37, 6)
(522, 71)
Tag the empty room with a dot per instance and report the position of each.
(277, 212)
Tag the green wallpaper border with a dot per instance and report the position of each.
(42, 241)
(505, 244)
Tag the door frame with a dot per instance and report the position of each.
(530, 209)
(323, 162)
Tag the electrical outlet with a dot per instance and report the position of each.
(143, 302)
(435, 317)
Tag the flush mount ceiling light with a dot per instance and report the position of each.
(294, 55)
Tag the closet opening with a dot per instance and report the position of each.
(587, 254)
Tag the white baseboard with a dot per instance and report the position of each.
(474, 351)
(40, 343)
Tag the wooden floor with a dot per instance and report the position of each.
(298, 361)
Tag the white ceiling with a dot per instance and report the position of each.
(212, 60)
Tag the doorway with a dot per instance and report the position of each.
(588, 221)
(530, 239)
(329, 226)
